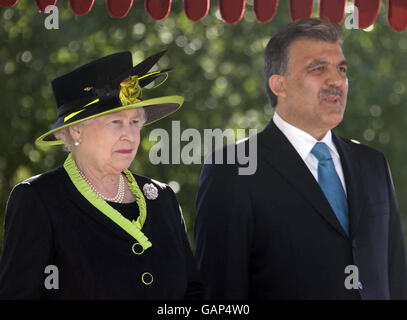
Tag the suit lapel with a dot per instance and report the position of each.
(352, 172)
(285, 159)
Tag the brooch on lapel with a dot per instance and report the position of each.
(150, 191)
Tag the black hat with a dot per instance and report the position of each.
(107, 85)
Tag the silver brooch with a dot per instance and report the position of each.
(150, 191)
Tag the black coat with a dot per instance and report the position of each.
(48, 222)
(273, 234)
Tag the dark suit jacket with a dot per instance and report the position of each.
(48, 222)
(273, 234)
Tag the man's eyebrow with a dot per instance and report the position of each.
(343, 63)
(316, 63)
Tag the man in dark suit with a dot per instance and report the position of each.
(319, 218)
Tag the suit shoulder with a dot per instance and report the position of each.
(158, 193)
(43, 180)
(221, 162)
(230, 158)
(363, 149)
(144, 181)
(32, 192)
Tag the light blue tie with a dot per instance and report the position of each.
(331, 184)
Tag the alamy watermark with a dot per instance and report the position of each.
(352, 280)
(197, 149)
(51, 281)
(51, 21)
(352, 17)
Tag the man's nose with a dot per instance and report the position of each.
(335, 78)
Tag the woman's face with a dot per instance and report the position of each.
(109, 142)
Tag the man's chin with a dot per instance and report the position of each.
(333, 108)
(333, 119)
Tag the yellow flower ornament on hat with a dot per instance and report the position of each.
(130, 91)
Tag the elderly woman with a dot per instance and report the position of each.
(91, 229)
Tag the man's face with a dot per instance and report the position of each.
(316, 86)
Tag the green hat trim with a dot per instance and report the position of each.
(150, 103)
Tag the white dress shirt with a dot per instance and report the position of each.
(303, 144)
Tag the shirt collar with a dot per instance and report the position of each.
(302, 141)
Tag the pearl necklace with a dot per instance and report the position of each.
(120, 191)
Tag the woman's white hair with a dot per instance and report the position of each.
(65, 136)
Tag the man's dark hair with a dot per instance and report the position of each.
(277, 49)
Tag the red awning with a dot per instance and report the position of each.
(232, 10)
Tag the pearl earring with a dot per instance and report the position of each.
(76, 143)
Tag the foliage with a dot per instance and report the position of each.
(218, 68)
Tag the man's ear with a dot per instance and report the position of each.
(277, 85)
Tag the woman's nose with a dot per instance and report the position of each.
(130, 132)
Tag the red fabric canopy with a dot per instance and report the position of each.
(232, 10)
